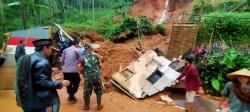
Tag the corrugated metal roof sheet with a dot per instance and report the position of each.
(38, 32)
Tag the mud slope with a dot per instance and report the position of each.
(176, 10)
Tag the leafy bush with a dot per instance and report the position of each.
(131, 27)
(201, 7)
(214, 71)
(233, 28)
(146, 26)
(161, 29)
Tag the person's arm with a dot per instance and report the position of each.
(183, 74)
(199, 82)
(23, 48)
(79, 52)
(17, 53)
(98, 56)
(62, 58)
(43, 79)
(80, 66)
(223, 99)
(98, 61)
(225, 93)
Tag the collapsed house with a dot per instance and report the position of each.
(147, 75)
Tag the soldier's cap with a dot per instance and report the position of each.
(42, 42)
(87, 46)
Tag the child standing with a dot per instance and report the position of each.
(193, 82)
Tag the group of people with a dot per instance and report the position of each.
(34, 87)
(36, 91)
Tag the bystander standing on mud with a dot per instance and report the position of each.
(20, 50)
(92, 79)
(35, 90)
(193, 82)
(69, 65)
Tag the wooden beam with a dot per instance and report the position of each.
(65, 33)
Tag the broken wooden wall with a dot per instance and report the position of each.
(182, 38)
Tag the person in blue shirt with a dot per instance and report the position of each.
(237, 91)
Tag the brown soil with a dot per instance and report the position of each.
(112, 101)
(116, 56)
(178, 10)
(117, 19)
(7, 76)
(149, 8)
(94, 36)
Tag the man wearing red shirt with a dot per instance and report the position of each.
(193, 82)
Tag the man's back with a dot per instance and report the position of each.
(69, 59)
(35, 88)
(90, 64)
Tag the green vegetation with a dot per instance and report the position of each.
(202, 7)
(133, 27)
(103, 20)
(233, 28)
(214, 70)
(161, 29)
(72, 14)
(226, 21)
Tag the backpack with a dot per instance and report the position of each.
(23, 83)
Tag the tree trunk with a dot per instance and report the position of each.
(93, 9)
(2, 13)
(52, 10)
(35, 11)
(23, 14)
(81, 5)
(2, 19)
(55, 9)
(88, 6)
(63, 8)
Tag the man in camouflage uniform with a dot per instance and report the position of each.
(91, 76)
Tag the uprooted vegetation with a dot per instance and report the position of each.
(133, 28)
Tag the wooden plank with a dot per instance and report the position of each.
(181, 39)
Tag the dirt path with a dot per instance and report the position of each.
(117, 102)
(7, 75)
(113, 102)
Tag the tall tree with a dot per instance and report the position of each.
(23, 13)
(2, 19)
(93, 9)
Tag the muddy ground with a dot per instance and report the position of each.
(113, 102)
(115, 56)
